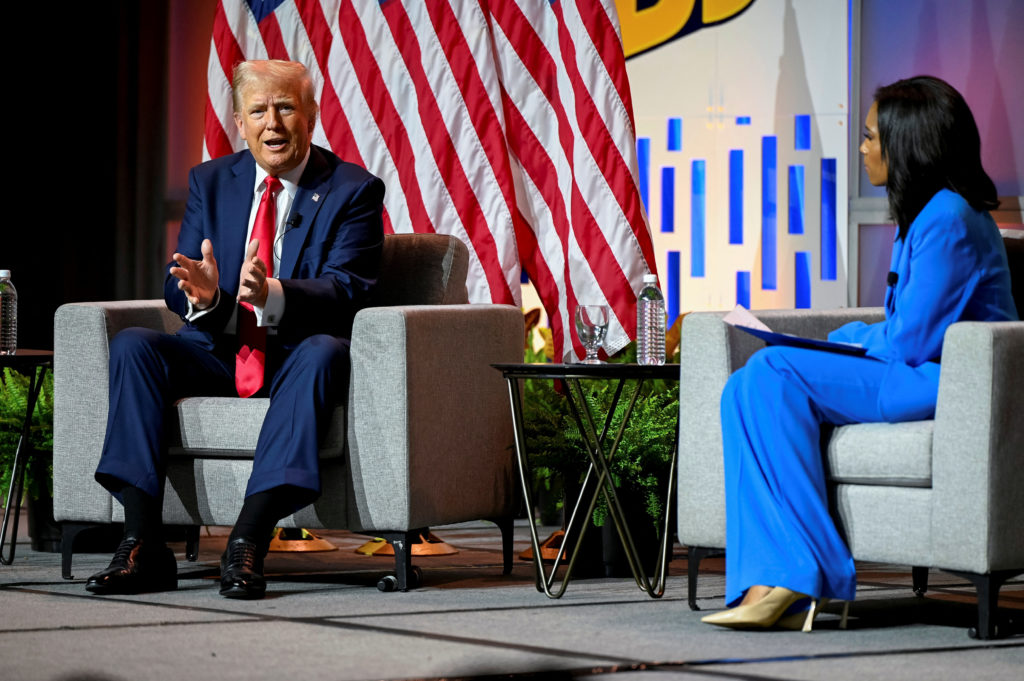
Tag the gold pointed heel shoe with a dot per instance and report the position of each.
(761, 615)
(804, 621)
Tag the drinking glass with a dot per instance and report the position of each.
(591, 326)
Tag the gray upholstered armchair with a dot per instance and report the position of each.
(947, 493)
(425, 437)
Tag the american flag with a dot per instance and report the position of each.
(507, 123)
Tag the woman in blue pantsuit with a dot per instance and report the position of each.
(948, 265)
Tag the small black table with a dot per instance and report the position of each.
(600, 454)
(34, 364)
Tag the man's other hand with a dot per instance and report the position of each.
(198, 279)
(252, 281)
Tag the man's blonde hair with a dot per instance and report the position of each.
(248, 72)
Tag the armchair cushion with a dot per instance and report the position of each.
(882, 454)
(229, 427)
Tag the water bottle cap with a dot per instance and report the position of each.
(6, 274)
(650, 278)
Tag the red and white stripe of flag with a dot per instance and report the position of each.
(505, 123)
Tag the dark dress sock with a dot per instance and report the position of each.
(143, 515)
(261, 512)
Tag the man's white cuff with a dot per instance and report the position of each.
(194, 314)
(270, 314)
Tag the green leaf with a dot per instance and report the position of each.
(13, 403)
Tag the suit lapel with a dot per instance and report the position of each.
(234, 216)
(309, 197)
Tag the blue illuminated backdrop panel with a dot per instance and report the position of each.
(735, 196)
(668, 199)
(698, 199)
(643, 153)
(675, 134)
(829, 199)
(769, 210)
(796, 199)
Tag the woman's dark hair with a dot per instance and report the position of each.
(930, 142)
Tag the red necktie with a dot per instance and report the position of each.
(252, 350)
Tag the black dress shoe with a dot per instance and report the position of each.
(241, 570)
(137, 567)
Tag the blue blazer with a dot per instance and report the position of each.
(330, 250)
(951, 266)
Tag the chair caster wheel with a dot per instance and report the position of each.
(390, 582)
(973, 632)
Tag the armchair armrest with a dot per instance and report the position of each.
(82, 332)
(710, 350)
(978, 449)
(430, 428)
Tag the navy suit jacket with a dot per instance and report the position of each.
(330, 250)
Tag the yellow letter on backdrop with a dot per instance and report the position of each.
(647, 28)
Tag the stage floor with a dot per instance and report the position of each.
(323, 618)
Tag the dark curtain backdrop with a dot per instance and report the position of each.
(88, 216)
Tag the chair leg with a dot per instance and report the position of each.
(406, 575)
(192, 543)
(68, 532)
(988, 586)
(919, 575)
(506, 527)
(694, 555)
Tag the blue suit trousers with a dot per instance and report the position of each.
(778, 528)
(150, 371)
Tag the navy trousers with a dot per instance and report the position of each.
(150, 371)
(778, 528)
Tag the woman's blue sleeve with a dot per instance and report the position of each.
(860, 333)
(935, 284)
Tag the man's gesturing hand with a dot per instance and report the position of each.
(198, 279)
(252, 281)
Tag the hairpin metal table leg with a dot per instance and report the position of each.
(600, 456)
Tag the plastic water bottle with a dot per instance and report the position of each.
(650, 323)
(8, 314)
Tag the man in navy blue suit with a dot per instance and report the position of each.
(278, 248)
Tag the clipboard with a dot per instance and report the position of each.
(773, 338)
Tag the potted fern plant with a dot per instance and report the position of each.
(38, 490)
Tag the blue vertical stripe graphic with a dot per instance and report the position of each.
(802, 132)
(673, 285)
(643, 157)
(828, 219)
(668, 199)
(736, 196)
(743, 289)
(802, 279)
(769, 211)
(796, 199)
(698, 197)
(675, 134)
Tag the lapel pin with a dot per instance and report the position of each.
(316, 197)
